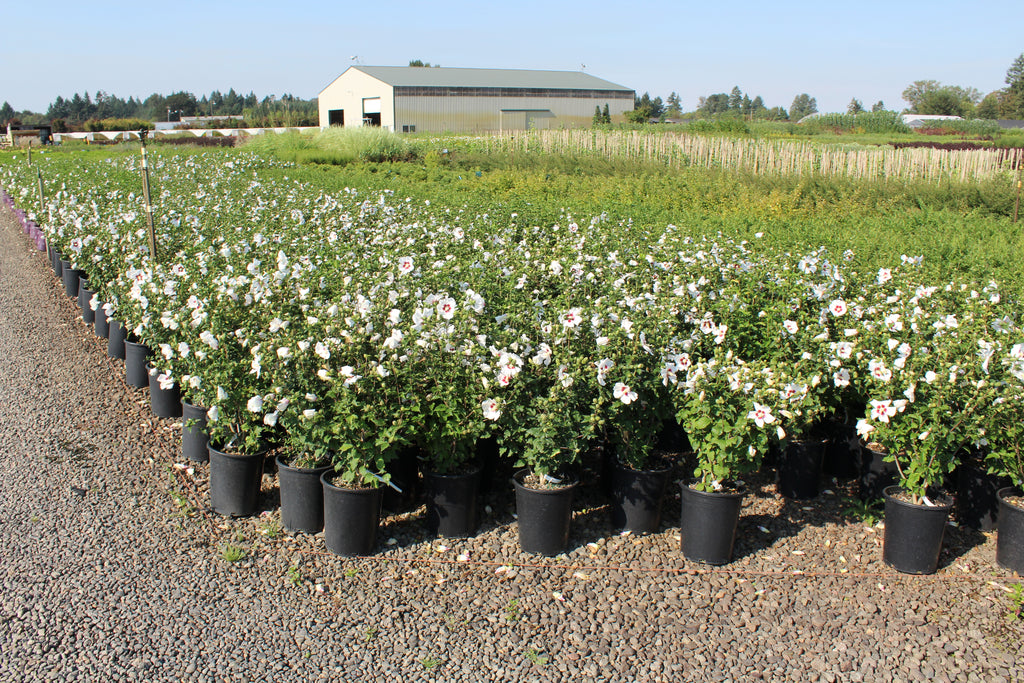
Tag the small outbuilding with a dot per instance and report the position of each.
(442, 99)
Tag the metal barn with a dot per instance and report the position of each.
(439, 99)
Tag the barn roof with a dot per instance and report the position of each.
(487, 78)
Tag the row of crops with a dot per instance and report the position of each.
(351, 324)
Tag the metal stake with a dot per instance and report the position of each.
(145, 195)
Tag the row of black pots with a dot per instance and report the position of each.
(309, 502)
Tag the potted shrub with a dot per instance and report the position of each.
(1004, 427)
(724, 405)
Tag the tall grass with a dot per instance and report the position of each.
(776, 157)
(338, 146)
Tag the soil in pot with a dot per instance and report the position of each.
(235, 480)
(1010, 537)
(453, 502)
(638, 495)
(913, 532)
(302, 496)
(351, 517)
(708, 525)
(544, 510)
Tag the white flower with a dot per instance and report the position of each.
(572, 318)
(791, 326)
(844, 350)
(270, 419)
(321, 350)
(405, 265)
(255, 404)
(276, 325)
(882, 410)
(837, 307)
(491, 409)
(761, 415)
(207, 338)
(446, 308)
(884, 275)
(622, 392)
(308, 413)
(213, 414)
(222, 394)
(864, 428)
(564, 377)
(284, 352)
(841, 377)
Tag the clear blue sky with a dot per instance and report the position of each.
(833, 51)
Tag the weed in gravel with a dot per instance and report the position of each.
(232, 553)
(270, 528)
(185, 507)
(452, 622)
(429, 662)
(512, 610)
(351, 572)
(536, 657)
(370, 634)
(34, 519)
(1017, 602)
(294, 576)
(868, 512)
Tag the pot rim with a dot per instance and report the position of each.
(688, 486)
(283, 464)
(1008, 491)
(946, 505)
(524, 472)
(327, 476)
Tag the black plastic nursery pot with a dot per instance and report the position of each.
(302, 497)
(100, 323)
(135, 356)
(404, 471)
(351, 517)
(194, 440)
(842, 452)
(545, 515)
(876, 475)
(637, 497)
(799, 469)
(115, 339)
(70, 276)
(708, 527)
(913, 533)
(235, 480)
(1010, 537)
(163, 402)
(453, 503)
(84, 297)
(977, 501)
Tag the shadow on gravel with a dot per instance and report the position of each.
(750, 539)
(957, 542)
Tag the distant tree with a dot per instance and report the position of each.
(803, 105)
(746, 106)
(645, 109)
(855, 107)
(673, 106)
(606, 115)
(878, 106)
(777, 114)
(418, 62)
(735, 99)
(989, 106)
(598, 117)
(1015, 89)
(712, 105)
(6, 114)
(931, 97)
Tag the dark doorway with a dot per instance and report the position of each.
(336, 117)
(371, 119)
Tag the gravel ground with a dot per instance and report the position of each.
(113, 569)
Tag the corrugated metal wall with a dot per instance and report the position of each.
(480, 114)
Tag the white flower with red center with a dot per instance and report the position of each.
(878, 370)
(572, 318)
(882, 410)
(604, 366)
(838, 307)
(622, 392)
(884, 275)
(446, 308)
(491, 408)
(564, 377)
(761, 415)
(405, 265)
(707, 326)
(790, 326)
(844, 350)
(841, 378)
(668, 374)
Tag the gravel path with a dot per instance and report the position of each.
(112, 569)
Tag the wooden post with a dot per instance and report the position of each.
(145, 195)
(29, 151)
(1016, 203)
(42, 203)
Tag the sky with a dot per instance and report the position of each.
(834, 51)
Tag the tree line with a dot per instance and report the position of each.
(74, 113)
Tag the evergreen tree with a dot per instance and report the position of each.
(803, 105)
(854, 107)
(598, 118)
(1015, 91)
(674, 106)
(606, 115)
(878, 106)
(735, 99)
